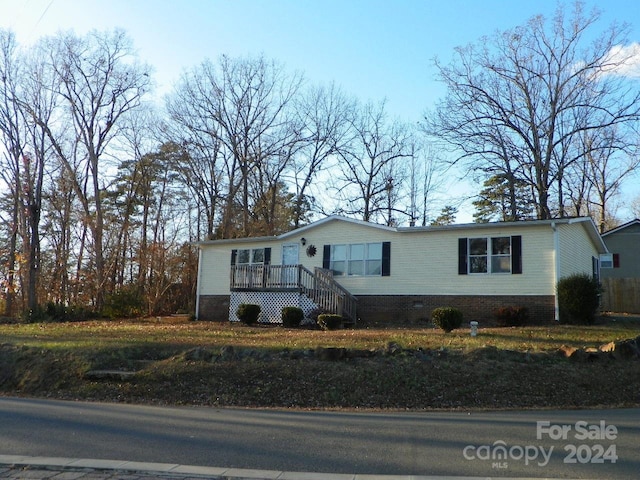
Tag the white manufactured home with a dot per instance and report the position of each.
(377, 274)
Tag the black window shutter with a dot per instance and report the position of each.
(594, 267)
(234, 254)
(267, 256)
(326, 257)
(616, 260)
(462, 256)
(386, 259)
(516, 254)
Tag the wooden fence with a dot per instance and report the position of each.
(621, 295)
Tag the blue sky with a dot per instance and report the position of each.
(373, 49)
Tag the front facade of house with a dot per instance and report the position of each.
(398, 275)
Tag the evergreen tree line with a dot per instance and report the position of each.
(105, 190)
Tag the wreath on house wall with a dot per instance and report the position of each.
(311, 251)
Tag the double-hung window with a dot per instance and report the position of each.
(246, 256)
(373, 263)
(251, 256)
(358, 259)
(609, 260)
(478, 255)
(338, 262)
(490, 255)
(501, 255)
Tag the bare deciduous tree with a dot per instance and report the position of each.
(323, 115)
(521, 99)
(599, 176)
(192, 134)
(372, 164)
(100, 82)
(13, 139)
(237, 119)
(24, 82)
(426, 178)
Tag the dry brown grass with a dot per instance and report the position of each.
(128, 333)
(273, 367)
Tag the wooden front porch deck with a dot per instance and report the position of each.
(319, 285)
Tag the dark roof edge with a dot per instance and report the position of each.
(621, 227)
(456, 226)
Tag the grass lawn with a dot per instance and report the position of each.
(403, 368)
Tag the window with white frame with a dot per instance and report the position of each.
(501, 255)
(606, 260)
(356, 259)
(338, 262)
(489, 255)
(478, 255)
(250, 256)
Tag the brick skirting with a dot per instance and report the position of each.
(396, 310)
(416, 309)
(214, 308)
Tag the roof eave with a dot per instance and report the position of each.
(621, 227)
(223, 241)
(332, 218)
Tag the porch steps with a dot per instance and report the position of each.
(319, 286)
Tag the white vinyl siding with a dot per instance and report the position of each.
(423, 262)
(435, 270)
(215, 263)
(576, 250)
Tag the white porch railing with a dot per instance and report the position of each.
(319, 285)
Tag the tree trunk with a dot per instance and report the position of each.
(11, 264)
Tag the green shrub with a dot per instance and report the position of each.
(248, 313)
(578, 298)
(292, 316)
(36, 315)
(447, 318)
(315, 313)
(127, 302)
(56, 312)
(511, 316)
(329, 321)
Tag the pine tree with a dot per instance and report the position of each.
(503, 199)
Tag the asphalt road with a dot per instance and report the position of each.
(602, 444)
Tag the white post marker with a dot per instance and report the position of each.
(474, 328)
